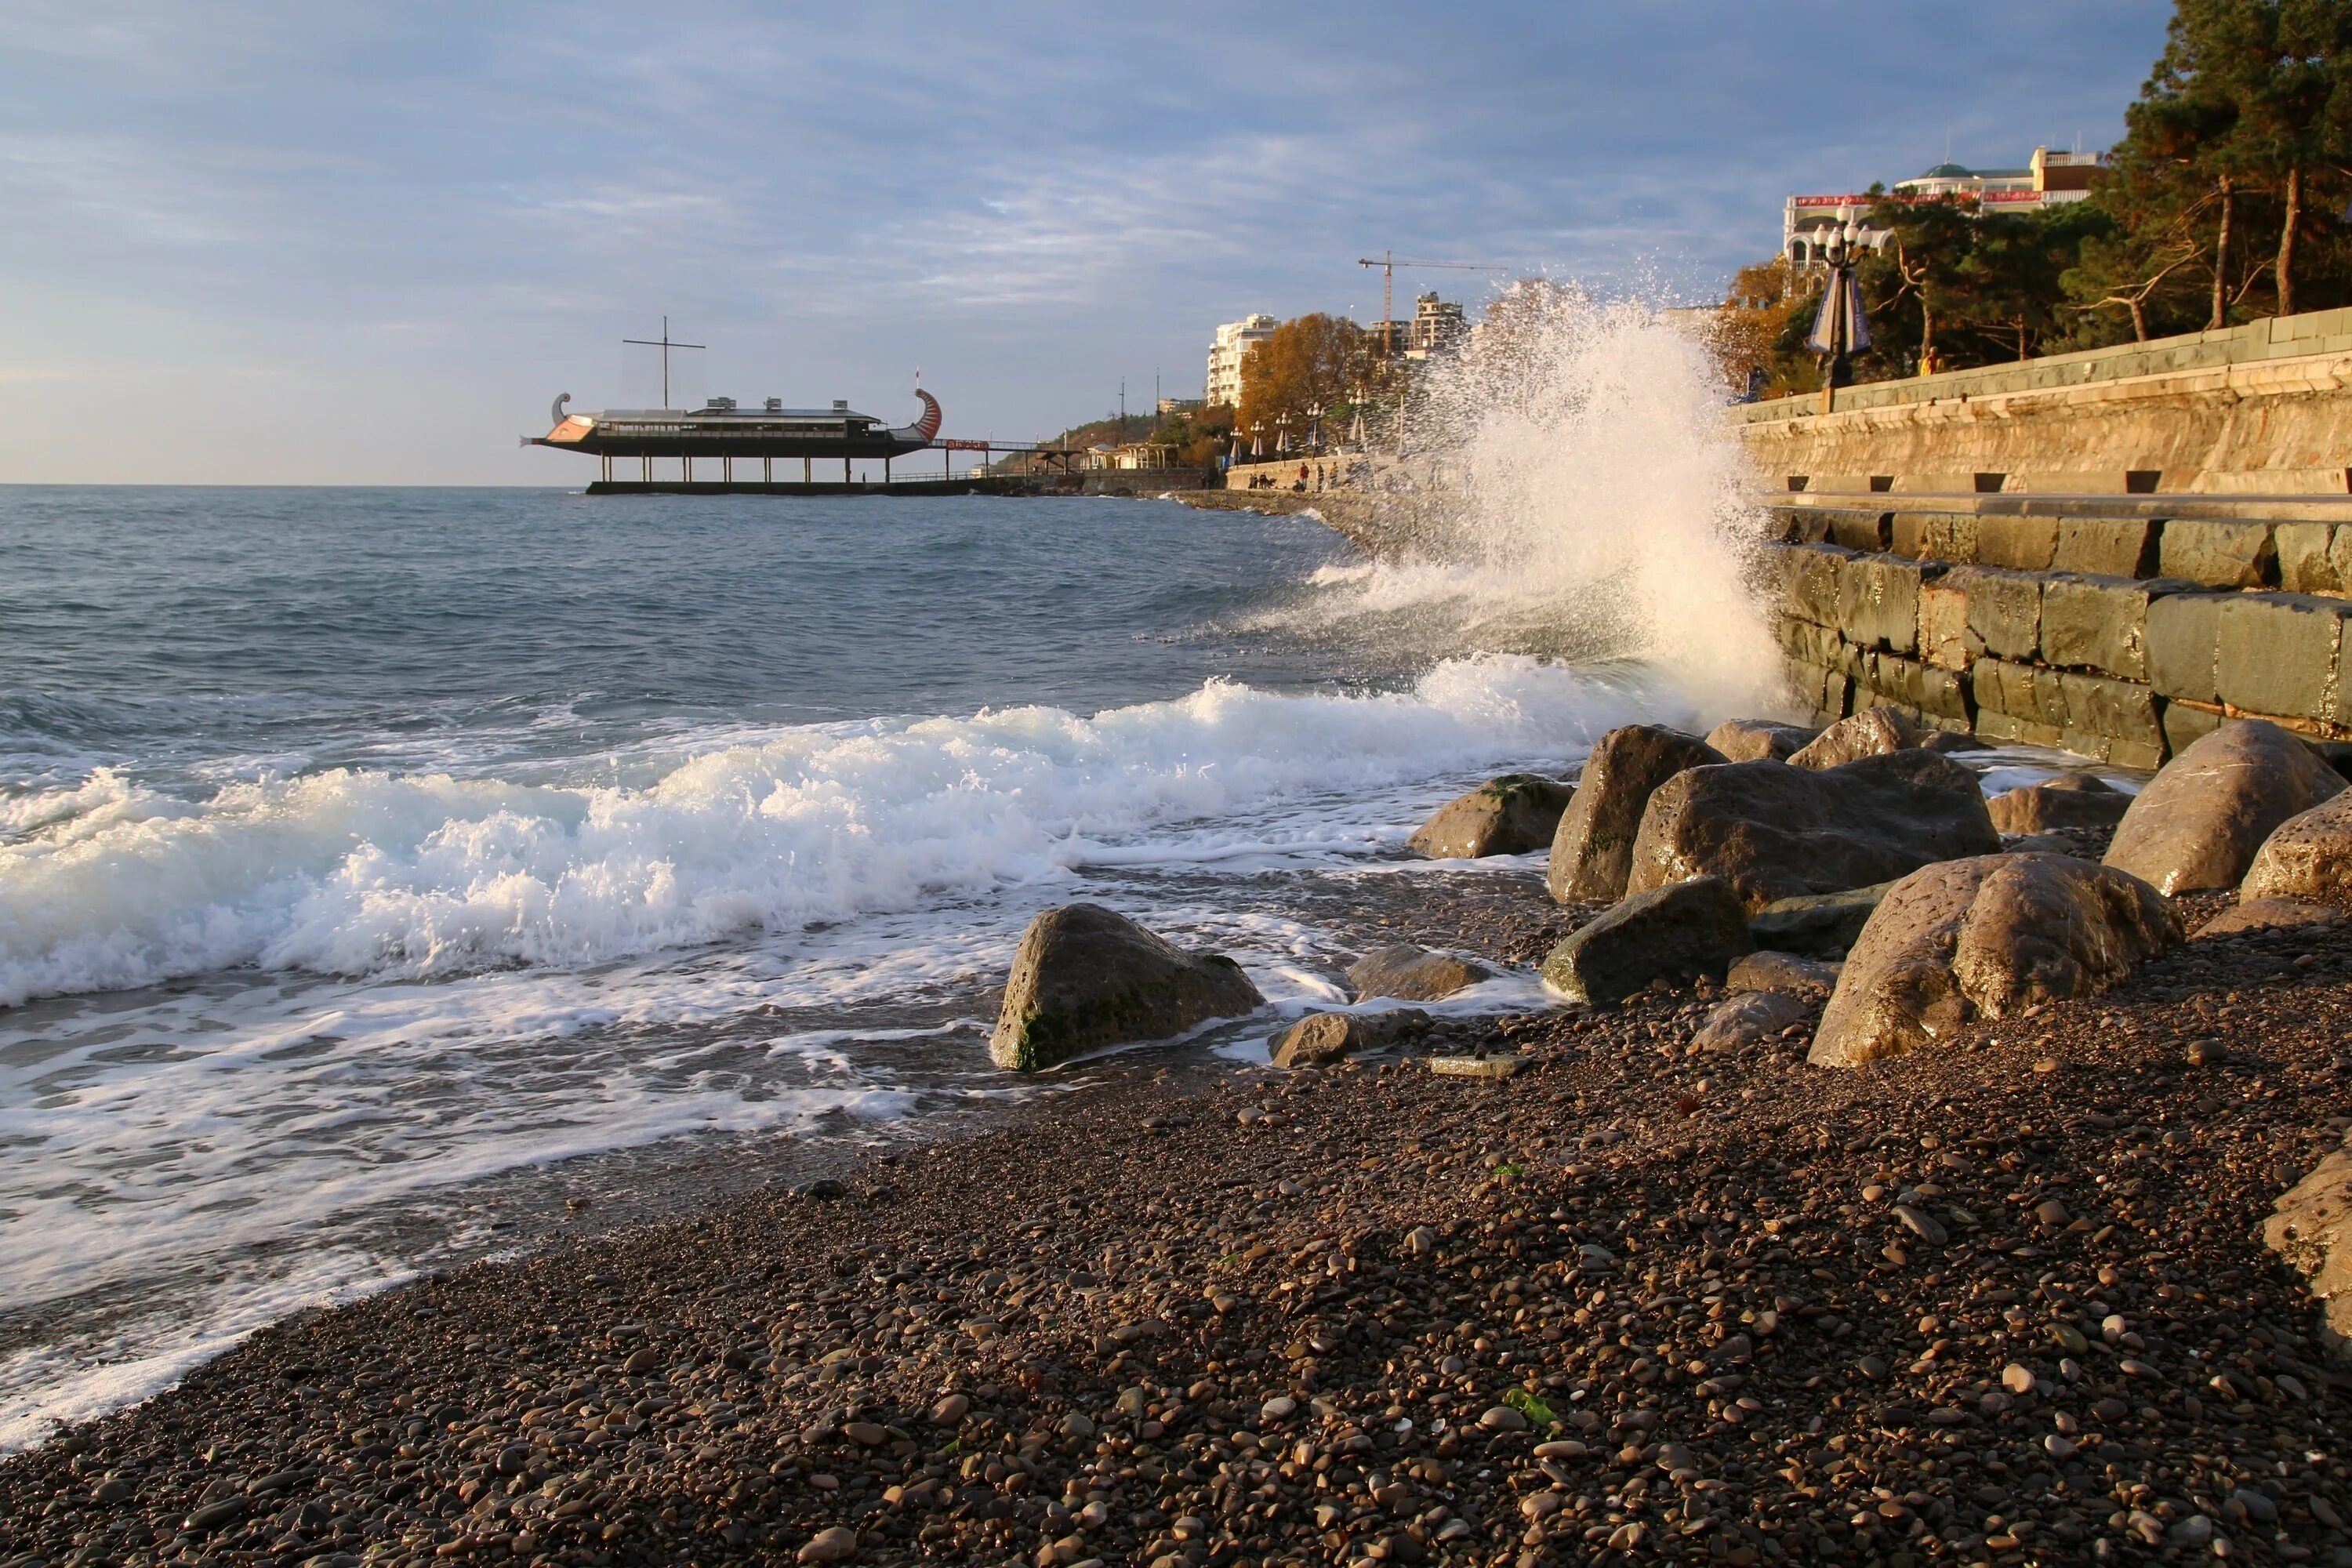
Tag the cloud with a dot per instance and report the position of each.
(457, 207)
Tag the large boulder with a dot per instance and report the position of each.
(1676, 934)
(1871, 734)
(1413, 973)
(1514, 814)
(2311, 1227)
(1322, 1038)
(1748, 740)
(2270, 914)
(1987, 937)
(2070, 800)
(1084, 978)
(1819, 925)
(2308, 856)
(1776, 831)
(1594, 846)
(2197, 824)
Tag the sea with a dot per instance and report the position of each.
(391, 877)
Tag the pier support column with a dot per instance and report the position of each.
(727, 468)
(806, 477)
(886, 473)
(767, 471)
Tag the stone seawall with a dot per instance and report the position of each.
(2120, 638)
(2264, 409)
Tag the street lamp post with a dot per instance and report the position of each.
(1842, 330)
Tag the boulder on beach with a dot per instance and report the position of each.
(1413, 973)
(1744, 1020)
(1750, 740)
(1514, 814)
(1782, 974)
(1086, 978)
(1593, 849)
(2197, 824)
(1872, 732)
(1322, 1038)
(1987, 937)
(1817, 925)
(2070, 800)
(1774, 831)
(2270, 914)
(2310, 1227)
(1673, 934)
(2308, 856)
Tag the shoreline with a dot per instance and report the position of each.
(1181, 1319)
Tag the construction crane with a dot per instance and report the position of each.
(1388, 264)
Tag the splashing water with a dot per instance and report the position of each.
(1574, 492)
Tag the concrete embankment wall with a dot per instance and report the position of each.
(2264, 408)
(2118, 637)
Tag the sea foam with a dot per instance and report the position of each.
(365, 873)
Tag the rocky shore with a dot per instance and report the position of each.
(2006, 1301)
(1972, 1249)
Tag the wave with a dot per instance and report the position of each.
(355, 872)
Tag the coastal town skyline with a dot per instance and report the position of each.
(346, 250)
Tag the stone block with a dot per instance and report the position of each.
(2183, 645)
(1951, 536)
(1945, 639)
(1809, 580)
(2024, 692)
(1794, 525)
(1998, 727)
(1805, 642)
(2005, 609)
(1933, 535)
(2276, 654)
(2100, 622)
(1865, 530)
(2115, 720)
(1939, 696)
(2220, 553)
(1878, 601)
(2109, 547)
(2305, 563)
(2185, 724)
(2025, 544)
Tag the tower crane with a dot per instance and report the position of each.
(1388, 264)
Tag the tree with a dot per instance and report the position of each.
(1921, 266)
(1309, 362)
(1760, 330)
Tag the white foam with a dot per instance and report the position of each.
(370, 874)
(1600, 499)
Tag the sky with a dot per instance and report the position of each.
(335, 243)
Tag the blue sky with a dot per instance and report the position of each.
(341, 243)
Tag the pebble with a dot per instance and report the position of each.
(950, 1411)
(1921, 1223)
(835, 1544)
(2051, 1212)
(866, 1433)
(1503, 1418)
(2017, 1378)
(1277, 1410)
(2205, 1052)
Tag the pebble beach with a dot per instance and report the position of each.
(1594, 1294)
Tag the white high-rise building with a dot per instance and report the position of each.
(1235, 342)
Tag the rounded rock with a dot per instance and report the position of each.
(950, 1411)
(837, 1544)
(1503, 1418)
(2017, 1378)
(1277, 1409)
